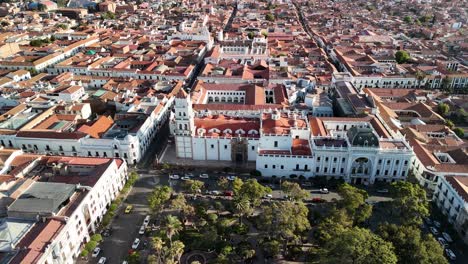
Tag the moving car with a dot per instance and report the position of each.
(204, 176)
(136, 243)
(382, 191)
(442, 242)
(447, 237)
(102, 260)
(146, 221)
(174, 177)
(128, 209)
(450, 254)
(318, 200)
(324, 190)
(433, 230)
(231, 178)
(142, 230)
(96, 252)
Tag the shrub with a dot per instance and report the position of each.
(97, 238)
(84, 253)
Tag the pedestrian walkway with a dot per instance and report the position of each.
(170, 157)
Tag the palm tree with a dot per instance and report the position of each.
(173, 226)
(176, 251)
(242, 206)
(158, 246)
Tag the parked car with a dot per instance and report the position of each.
(204, 176)
(136, 243)
(442, 242)
(450, 254)
(428, 221)
(142, 230)
(268, 196)
(382, 191)
(215, 192)
(189, 174)
(228, 193)
(106, 232)
(96, 252)
(324, 190)
(318, 200)
(185, 178)
(231, 178)
(434, 230)
(102, 260)
(447, 237)
(174, 177)
(146, 221)
(436, 224)
(128, 209)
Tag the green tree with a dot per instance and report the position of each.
(294, 190)
(331, 226)
(443, 108)
(459, 131)
(242, 207)
(420, 76)
(410, 202)
(402, 56)
(357, 245)
(193, 186)
(253, 191)
(408, 19)
(284, 220)
(223, 183)
(446, 84)
(250, 35)
(134, 258)
(449, 123)
(410, 246)
(354, 202)
(175, 252)
(173, 226)
(270, 17)
(180, 203)
(158, 247)
(237, 185)
(271, 247)
(62, 26)
(158, 197)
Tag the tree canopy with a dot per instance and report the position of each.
(294, 190)
(410, 202)
(402, 56)
(354, 202)
(158, 197)
(410, 246)
(358, 245)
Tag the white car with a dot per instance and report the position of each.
(442, 242)
(324, 190)
(215, 192)
(450, 254)
(136, 243)
(433, 230)
(174, 177)
(102, 260)
(231, 178)
(96, 252)
(204, 176)
(185, 178)
(146, 221)
(188, 174)
(447, 237)
(268, 196)
(142, 230)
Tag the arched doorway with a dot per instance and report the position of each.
(361, 168)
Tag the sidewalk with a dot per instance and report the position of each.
(171, 158)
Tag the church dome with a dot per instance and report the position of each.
(362, 137)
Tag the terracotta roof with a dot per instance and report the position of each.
(460, 184)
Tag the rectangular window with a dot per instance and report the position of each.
(326, 159)
(266, 166)
(333, 170)
(225, 146)
(406, 162)
(325, 170)
(276, 144)
(341, 170)
(343, 160)
(253, 147)
(380, 161)
(317, 169)
(377, 172)
(212, 146)
(397, 162)
(282, 167)
(274, 166)
(318, 158)
(335, 159)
